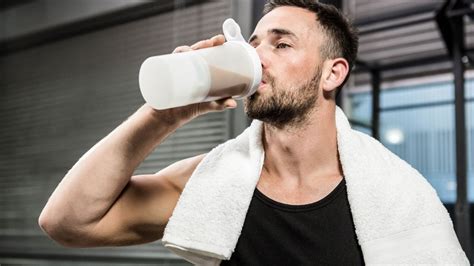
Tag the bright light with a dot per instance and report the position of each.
(451, 185)
(394, 136)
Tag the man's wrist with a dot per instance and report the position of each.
(167, 117)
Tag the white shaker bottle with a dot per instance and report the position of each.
(229, 70)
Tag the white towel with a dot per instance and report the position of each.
(398, 216)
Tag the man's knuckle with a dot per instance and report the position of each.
(181, 48)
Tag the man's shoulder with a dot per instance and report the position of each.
(179, 172)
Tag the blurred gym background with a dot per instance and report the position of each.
(69, 75)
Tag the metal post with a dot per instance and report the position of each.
(257, 8)
(462, 205)
(375, 81)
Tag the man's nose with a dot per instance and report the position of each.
(262, 54)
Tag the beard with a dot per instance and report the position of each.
(285, 107)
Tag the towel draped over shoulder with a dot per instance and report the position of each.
(398, 217)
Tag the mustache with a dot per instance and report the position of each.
(269, 79)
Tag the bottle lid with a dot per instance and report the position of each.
(232, 33)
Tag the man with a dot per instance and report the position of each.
(306, 50)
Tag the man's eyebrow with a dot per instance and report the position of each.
(275, 31)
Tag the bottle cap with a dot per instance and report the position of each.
(232, 33)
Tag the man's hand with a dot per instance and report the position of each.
(185, 113)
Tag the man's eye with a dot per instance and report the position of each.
(282, 45)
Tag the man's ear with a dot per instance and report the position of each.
(334, 73)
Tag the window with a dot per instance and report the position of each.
(417, 124)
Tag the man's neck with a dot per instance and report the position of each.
(297, 157)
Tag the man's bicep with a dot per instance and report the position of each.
(143, 209)
(139, 215)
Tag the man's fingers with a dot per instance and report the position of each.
(218, 105)
(222, 104)
(216, 40)
(202, 44)
(229, 103)
(181, 49)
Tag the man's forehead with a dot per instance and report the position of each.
(295, 19)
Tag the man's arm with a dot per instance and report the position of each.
(99, 203)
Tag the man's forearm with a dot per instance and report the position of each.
(93, 184)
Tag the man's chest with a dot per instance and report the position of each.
(317, 233)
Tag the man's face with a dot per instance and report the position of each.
(288, 44)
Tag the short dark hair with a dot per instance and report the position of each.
(343, 39)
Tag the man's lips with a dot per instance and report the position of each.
(263, 82)
(261, 85)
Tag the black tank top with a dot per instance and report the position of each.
(319, 233)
